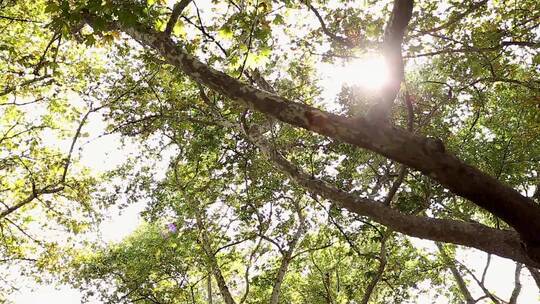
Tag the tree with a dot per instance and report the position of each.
(446, 151)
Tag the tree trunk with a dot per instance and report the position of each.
(209, 289)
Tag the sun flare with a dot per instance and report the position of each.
(369, 72)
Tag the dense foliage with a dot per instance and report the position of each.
(265, 199)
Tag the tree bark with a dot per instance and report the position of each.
(393, 39)
(504, 243)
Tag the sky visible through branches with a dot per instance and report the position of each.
(101, 151)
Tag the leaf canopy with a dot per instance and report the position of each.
(260, 184)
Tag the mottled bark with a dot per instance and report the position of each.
(501, 242)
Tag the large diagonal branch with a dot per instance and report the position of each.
(421, 153)
(501, 242)
(504, 243)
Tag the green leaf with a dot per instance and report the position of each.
(278, 20)
(225, 33)
(161, 25)
(179, 29)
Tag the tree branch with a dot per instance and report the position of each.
(517, 284)
(338, 39)
(393, 38)
(205, 242)
(35, 194)
(8, 90)
(287, 256)
(380, 270)
(486, 267)
(504, 243)
(487, 293)
(457, 275)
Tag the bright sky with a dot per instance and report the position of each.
(105, 153)
(100, 154)
(369, 72)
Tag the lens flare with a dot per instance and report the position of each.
(369, 72)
